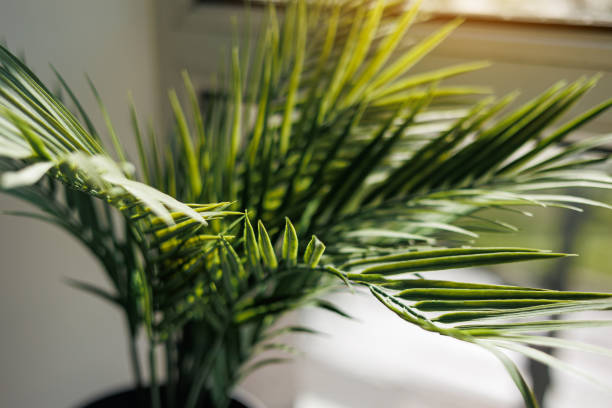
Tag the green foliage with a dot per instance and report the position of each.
(333, 138)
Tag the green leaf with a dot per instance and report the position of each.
(401, 284)
(554, 342)
(537, 326)
(233, 260)
(339, 77)
(294, 80)
(367, 30)
(474, 294)
(236, 120)
(26, 176)
(290, 244)
(109, 124)
(262, 109)
(559, 134)
(414, 55)
(566, 199)
(555, 308)
(265, 247)
(428, 77)
(329, 306)
(435, 253)
(194, 178)
(250, 243)
(443, 305)
(144, 164)
(314, 251)
(381, 234)
(458, 261)
(528, 396)
(551, 361)
(37, 145)
(94, 290)
(290, 330)
(383, 52)
(74, 99)
(404, 311)
(155, 199)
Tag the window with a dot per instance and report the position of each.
(571, 12)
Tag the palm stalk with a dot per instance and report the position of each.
(351, 172)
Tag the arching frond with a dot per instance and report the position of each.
(322, 161)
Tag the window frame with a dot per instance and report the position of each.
(541, 52)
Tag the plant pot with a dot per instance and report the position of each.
(132, 398)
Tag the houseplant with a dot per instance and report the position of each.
(335, 155)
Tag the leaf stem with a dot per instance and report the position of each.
(171, 371)
(135, 360)
(154, 389)
(196, 386)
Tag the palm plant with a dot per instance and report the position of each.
(327, 165)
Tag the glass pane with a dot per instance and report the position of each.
(582, 12)
(575, 12)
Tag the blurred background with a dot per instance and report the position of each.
(59, 347)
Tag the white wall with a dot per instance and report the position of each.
(57, 345)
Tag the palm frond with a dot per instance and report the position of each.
(383, 173)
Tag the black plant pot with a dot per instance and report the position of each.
(132, 398)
